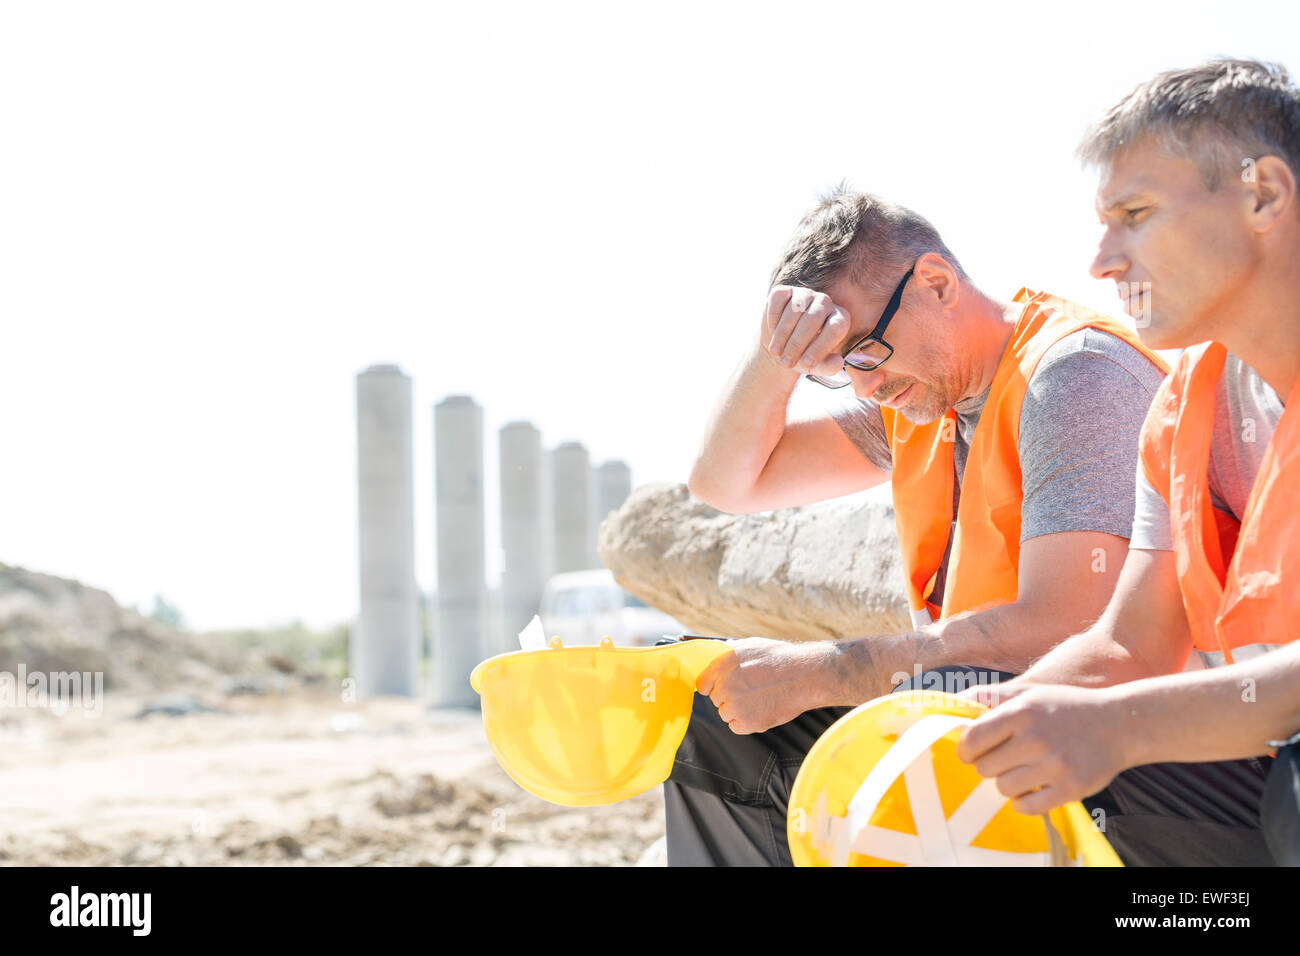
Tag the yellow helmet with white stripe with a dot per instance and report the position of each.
(883, 787)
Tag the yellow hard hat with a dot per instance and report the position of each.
(589, 725)
(883, 787)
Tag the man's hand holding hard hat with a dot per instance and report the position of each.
(1033, 744)
(765, 683)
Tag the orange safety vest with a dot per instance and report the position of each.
(1237, 579)
(984, 565)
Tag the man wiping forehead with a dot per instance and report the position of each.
(1007, 430)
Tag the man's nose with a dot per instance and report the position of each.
(865, 384)
(1110, 262)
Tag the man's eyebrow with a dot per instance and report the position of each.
(1125, 199)
(851, 341)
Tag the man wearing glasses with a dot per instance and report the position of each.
(1009, 434)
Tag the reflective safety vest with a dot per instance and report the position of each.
(983, 568)
(1237, 579)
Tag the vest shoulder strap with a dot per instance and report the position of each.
(1156, 440)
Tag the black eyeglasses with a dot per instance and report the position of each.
(871, 351)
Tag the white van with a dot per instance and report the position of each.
(581, 607)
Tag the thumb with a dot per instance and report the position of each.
(709, 676)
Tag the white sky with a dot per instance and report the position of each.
(213, 215)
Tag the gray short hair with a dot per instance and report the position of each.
(872, 241)
(1217, 114)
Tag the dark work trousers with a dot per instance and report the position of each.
(727, 797)
(1281, 809)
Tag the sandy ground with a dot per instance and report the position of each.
(289, 780)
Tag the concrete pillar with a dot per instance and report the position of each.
(548, 513)
(384, 651)
(571, 479)
(613, 483)
(459, 642)
(522, 528)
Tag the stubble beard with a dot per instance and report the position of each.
(934, 402)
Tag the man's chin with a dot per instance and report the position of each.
(921, 414)
(1160, 333)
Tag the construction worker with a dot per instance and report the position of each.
(1201, 221)
(1008, 432)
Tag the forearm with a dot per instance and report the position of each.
(745, 427)
(1006, 638)
(1094, 658)
(1141, 633)
(1225, 713)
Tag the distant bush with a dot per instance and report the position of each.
(294, 647)
(168, 613)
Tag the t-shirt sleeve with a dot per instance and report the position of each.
(1079, 427)
(1151, 527)
(862, 422)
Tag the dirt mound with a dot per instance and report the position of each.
(51, 624)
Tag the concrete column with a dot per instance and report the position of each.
(384, 651)
(572, 486)
(522, 528)
(548, 513)
(613, 483)
(459, 642)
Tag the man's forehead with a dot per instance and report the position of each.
(862, 306)
(1118, 190)
(1146, 167)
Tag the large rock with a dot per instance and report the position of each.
(825, 570)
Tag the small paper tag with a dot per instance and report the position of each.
(533, 637)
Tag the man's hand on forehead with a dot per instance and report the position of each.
(804, 330)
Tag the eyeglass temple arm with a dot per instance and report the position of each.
(892, 307)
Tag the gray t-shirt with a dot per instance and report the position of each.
(1246, 414)
(1079, 424)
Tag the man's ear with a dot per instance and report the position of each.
(1272, 192)
(939, 278)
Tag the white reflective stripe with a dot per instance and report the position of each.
(1239, 654)
(912, 743)
(927, 812)
(889, 845)
(939, 841)
(922, 617)
(975, 812)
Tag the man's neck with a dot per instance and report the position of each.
(989, 331)
(1263, 327)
